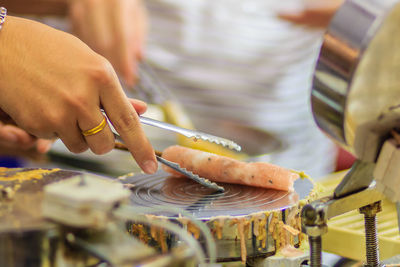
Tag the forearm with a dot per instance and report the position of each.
(39, 7)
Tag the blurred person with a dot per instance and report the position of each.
(249, 62)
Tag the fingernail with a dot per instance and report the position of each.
(150, 167)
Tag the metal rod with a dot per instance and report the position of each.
(371, 235)
(371, 241)
(315, 251)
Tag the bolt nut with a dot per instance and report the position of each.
(371, 209)
(315, 231)
(309, 213)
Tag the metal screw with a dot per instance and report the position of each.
(315, 251)
(314, 225)
(371, 240)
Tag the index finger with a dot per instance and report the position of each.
(126, 122)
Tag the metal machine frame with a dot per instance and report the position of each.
(355, 99)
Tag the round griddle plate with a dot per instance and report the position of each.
(238, 200)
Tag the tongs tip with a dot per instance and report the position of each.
(191, 175)
(219, 141)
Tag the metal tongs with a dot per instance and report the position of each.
(196, 135)
(176, 167)
(190, 134)
(153, 90)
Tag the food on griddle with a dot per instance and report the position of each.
(227, 170)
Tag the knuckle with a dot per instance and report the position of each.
(76, 147)
(102, 148)
(103, 73)
(126, 122)
(55, 120)
(78, 101)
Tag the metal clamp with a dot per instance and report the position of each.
(316, 214)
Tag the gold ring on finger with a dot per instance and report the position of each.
(96, 129)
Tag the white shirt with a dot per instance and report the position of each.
(235, 60)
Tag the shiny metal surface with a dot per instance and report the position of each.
(204, 203)
(196, 135)
(236, 202)
(358, 178)
(193, 134)
(315, 216)
(356, 86)
(329, 207)
(191, 175)
(356, 100)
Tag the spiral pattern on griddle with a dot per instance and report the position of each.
(237, 200)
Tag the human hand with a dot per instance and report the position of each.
(53, 85)
(316, 13)
(15, 138)
(115, 29)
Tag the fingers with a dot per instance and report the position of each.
(72, 137)
(115, 29)
(102, 141)
(96, 26)
(314, 13)
(125, 65)
(309, 18)
(142, 27)
(76, 13)
(123, 56)
(16, 136)
(125, 120)
(138, 105)
(12, 136)
(43, 145)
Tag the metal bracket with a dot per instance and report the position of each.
(315, 216)
(358, 178)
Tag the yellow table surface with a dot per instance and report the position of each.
(346, 236)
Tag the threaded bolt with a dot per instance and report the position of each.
(315, 251)
(371, 241)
